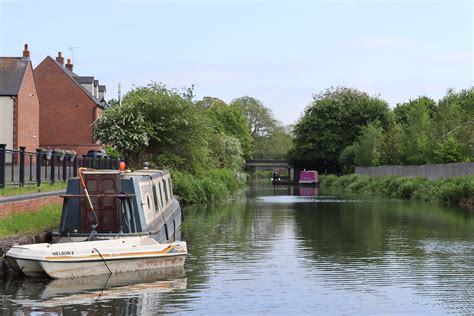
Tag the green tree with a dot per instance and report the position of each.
(417, 140)
(124, 128)
(402, 110)
(277, 144)
(368, 147)
(333, 121)
(229, 121)
(174, 132)
(260, 118)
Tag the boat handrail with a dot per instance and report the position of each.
(77, 196)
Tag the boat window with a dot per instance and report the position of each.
(171, 189)
(161, 194)
(166, 191)
(155, 198)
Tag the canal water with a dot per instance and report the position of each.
(289, 250)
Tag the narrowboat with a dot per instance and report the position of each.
(309, 177)
(110, 222)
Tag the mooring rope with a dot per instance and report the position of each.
(103, 260)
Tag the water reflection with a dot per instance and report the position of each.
(291, 251)
(143, 287)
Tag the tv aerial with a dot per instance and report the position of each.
(72, 48)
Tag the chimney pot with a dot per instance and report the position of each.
(26, 52)
(60, 58)
(69, 65)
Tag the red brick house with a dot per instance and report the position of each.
(19, 104)
(69, 106)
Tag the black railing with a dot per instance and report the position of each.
(19, 167)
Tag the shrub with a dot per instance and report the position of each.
(448, 190)
(215, 185)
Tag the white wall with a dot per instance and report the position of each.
(89, 87)
(6, 121)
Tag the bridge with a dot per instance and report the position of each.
(271, 163)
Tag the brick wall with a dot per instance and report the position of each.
(66, 111)
(27, 113)
(10, 208)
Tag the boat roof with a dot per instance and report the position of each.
(147, 172)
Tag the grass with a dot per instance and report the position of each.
(32, 222)
(8, 191)
(452, 190)
(214, 185)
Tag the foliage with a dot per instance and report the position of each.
(276, 144)
(215, 185)
(124, 127)
(229, 121)
(111, 152)
(159, 125)
(31, 222)
(333, 121)
(446, 190)
(259, 117)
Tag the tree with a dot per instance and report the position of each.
(276, 145)
(332, 122)
(368, 147)
(402, 110)
(229, 121)
(417, 141)
(175, 132)
(123, 127)
(259, 117)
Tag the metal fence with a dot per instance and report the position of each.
(434, 171)
(20, 167)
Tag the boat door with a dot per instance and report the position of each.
(102, 187)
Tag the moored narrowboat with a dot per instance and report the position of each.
(309, 177)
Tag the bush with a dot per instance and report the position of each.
(215, 185)
(448, 190)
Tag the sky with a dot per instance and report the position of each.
(280, 52)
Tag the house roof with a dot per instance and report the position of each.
(102, 88)
(83, 79)
(73, 78)
(12, 71)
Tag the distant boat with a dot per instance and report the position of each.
(309, 177)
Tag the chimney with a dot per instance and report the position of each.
(26, 52)
(69, 65)
(60, 58)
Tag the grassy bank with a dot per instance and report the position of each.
(32, 189)
(214, 185)
(449, 190)
(32, 222)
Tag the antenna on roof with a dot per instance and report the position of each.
(119, 94)
(72, 48)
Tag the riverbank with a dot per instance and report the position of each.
(46, 217)
(455, 190)
(209, 187)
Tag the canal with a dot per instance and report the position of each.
(289, 250)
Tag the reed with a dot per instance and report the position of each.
(214, 185)
(452, 190)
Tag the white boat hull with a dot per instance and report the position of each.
(69, 260)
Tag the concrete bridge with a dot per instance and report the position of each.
(271, 164)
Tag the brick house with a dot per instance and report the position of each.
(19, 105)
(69, 105)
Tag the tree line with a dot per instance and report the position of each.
(168, 128)
(345, 127)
